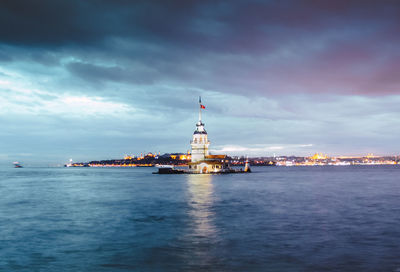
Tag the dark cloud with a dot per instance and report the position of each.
(222, 25)
(59, 23)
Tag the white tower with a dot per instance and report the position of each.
(200, 141)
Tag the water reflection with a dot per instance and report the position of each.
(200, 200)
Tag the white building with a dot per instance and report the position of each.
(202, 162)
(200, 142)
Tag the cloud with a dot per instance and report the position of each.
(20, 101)
(274, 73)
(260, 47)
(96, 73)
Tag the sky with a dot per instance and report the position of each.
(95, 79)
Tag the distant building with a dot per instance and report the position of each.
(319, 156)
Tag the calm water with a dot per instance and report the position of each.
(275, 219)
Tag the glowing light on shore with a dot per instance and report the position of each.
(259, 148)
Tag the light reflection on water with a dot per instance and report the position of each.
(200, 190)
(201, 232)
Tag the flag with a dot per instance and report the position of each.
(202, 106)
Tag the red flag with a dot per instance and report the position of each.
(202, 106)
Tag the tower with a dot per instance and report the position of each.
(200, 141)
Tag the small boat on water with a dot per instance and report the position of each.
(17, 165)
(168, 169)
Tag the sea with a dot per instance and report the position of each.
(321, 218)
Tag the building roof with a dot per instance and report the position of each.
(216, 157)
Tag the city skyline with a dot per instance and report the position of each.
(99, 79)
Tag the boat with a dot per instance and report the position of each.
(17, 165)
(168, 169)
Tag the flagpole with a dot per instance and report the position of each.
(199, 109)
